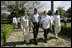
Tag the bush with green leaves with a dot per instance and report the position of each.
(6, 30)
(4, 16)
(66, 30)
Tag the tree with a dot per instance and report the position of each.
(4, 16)
(68, 12)
(62, 11)
(18, 5)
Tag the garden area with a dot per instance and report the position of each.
(11, 37)
(14, 37)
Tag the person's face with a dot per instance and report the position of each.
(58, 12)
(25, 12)
(35, 11)
(45, 13)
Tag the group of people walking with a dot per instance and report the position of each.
(35, 20)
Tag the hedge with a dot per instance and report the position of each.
(66, 30)
(6, 29)
(4, 21)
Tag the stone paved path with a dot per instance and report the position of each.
(16, 40)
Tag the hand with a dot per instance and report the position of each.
(32, 25)
(43, 21)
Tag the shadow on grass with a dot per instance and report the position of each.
(52, 38)
(17, 30)
(38, 31)
(40, 40)
(13, 44)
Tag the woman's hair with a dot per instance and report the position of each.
(35, 9)
(57, 12)
(23, 10)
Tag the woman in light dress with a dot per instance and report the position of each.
(25, 26)
(57, 23)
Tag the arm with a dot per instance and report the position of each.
(50, 23)
(42, 20)
(31, 19)
(13, 20)
(21, 23)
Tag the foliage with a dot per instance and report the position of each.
(4, 16)
(66, 30)
(64, 13)
(68, 12)
(6, 30)
(18, 5)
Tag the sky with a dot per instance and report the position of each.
(47, 5)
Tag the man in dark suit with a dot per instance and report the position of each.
(35, 24)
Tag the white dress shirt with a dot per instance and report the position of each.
(35, 17)
(52, 19)
(18, 20)
(47, 21)
(14, 20)
(57, 19)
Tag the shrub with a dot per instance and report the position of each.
(4, 16)
(4, 21)
(66, 30)
(6, 29)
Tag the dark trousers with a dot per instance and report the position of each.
(46, 31)
(52, 29)
(29, 27)
(18, 25)
(35, 31)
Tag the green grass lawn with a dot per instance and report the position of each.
(66, 30)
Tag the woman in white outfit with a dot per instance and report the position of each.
(57, 23)
(15, 21)
(25, 26)
(52, 21)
